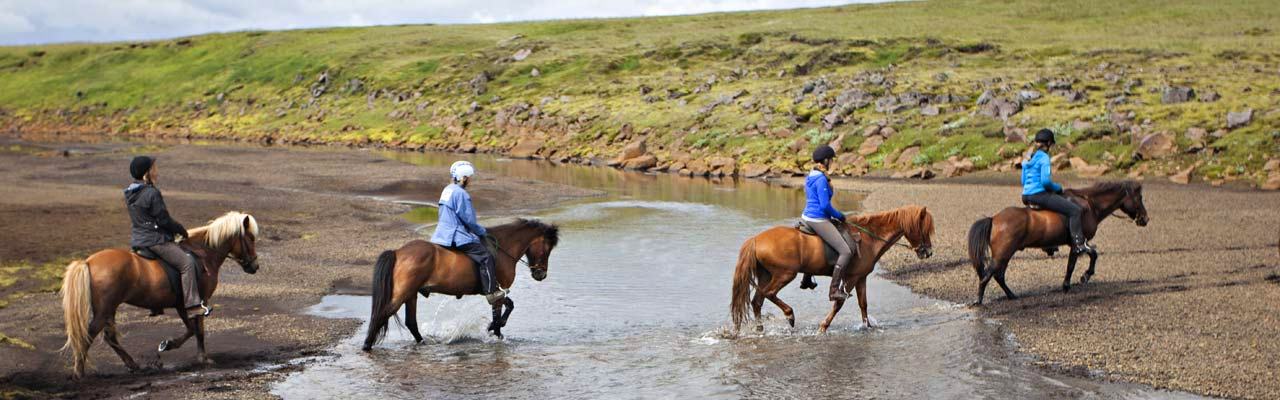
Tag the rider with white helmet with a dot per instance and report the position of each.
(459, 230)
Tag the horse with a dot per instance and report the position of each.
(421, 267)
(771, 259)
(1017, 228)
(93, 288)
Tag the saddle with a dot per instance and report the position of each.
(1049, 250)
(490, 243)
(828, 252)
(171, 272)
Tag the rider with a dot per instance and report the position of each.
(819, 213)
(1039, 189)
(459, 230)
(153, 229)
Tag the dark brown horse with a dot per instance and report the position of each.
(1017, 228)
(93, 288)
(770, 260)
(421, 267)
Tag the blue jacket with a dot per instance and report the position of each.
(1036, 176)
(458, 224)
(818, 194)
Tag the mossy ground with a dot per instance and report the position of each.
(410, 84)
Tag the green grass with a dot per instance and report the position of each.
(598, 67)
(422, 215)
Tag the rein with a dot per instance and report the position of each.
(519, 260)
(874, 236)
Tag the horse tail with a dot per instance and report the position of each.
(76, 312)
(979, 244)
(383, 277)
(743, 274)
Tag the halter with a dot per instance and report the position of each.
(244, 246)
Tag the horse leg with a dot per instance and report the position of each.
(1071, 268)
(177, 341)
(97, 324)
(831, 316)
(862, 300)
(1008, 294)
(757, 300)
(771, 292)
(1088, 273)
(495, 326)
(111, 336)
(411, 317)
(982, 285)
(511, 305)
(201, 356)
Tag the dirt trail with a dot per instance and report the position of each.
(1189, 302)
(324, 217)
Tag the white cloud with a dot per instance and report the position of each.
(44, 21)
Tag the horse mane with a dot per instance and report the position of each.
(549, 232)
(914, 220)
(1104, 187)
(224, 228)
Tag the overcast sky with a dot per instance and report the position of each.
(47, 21)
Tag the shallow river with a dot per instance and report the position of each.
(636, 306)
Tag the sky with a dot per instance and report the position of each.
(51, 21)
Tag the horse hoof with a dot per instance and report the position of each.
(792, 321)
(759, 328)
(164, 346)
(1066, 288)
(1084, 279)
(366, 349)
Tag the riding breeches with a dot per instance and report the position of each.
(831, 235)
(172, 254)
(1059, 204)
(486, 273)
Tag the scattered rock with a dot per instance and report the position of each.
(535, 73)
(929, 110)
(1072, 96)
(956, 167)
(888, 132)
(1273, 182)
(754, 170)
(940, 77)
(467, 147)
(1239, 119)
(871, 130)
(1196, 134)
(870, 145)
(521, 55)
(799, 145)
(1272, 165)
(632, 150)
(1138, 171)
(985, 97)
(722, 166)
(1000, 108)
(1081, 125)
(641, 163)
(1028, 95)
(1015, 135)
(479, 84)
(1177, 94)
(1156, 145)
(1183, 177)
(918, 173)
(1209, 96)
(908, 156)
(527, 148)
(1085, 170)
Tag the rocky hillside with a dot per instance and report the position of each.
(1188, 90)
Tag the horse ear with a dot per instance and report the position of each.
(247, 226)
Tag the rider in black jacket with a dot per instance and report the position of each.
(154, 229)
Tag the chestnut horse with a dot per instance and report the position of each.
(421, 267)
(93, 288)
(1017, 228)
(770, 260)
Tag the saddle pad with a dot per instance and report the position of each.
(828, 252)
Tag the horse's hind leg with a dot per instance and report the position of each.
(1088, 273)
(999, 275)
(411, 317)
(779, 281)
(111, 336)
(1071, 269)
(757, 300)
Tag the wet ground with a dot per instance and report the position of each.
(636, 306)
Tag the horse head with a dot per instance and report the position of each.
(239, 232)
(539, 251)
(244, 250)
(918, 228)
(1131, 204)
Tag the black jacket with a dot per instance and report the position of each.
(151, 222)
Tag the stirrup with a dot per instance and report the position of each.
(1084, 248)
(496, 296)
(205, 310)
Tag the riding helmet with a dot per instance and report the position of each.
(1045, 136)
(140, 165)
(461, 169)
(823, 153)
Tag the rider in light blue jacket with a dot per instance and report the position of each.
(826, 220)
(1038, 188)
(458, 229)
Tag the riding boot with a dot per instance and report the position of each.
(837, 284)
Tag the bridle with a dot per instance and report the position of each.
(877, 237)
(542, 267)
(244, 246)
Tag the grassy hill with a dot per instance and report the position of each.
(758, 87)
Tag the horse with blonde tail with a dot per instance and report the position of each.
(93, 288)
(770, 260)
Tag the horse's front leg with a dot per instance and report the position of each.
(1088, 273)
(201, 356)
(831, 316)
(1071, 268)
(862, 300)
(499, 319)
(176, 342)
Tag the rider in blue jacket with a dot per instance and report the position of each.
(1038, 188)
(819, 215)
(458, 229)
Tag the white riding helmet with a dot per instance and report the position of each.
(461, 169)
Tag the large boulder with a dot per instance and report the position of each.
(956, 167)
(755, 170)
(921, 173)
(908, 156)
(1239, 119)
(697, 168)
(1177, 94)
(722, 166)
(632, 150)
(641, 163)
(1156, 145)
(1085, 170)
(527, 148)
(1000, 108)
(870, 145)
(1183, 177)
(1273, 182)
(871, 130)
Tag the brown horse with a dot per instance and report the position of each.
(421, 267)
(771, 260)
(93, 288)
(1017, 228)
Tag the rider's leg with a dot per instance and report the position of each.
(1072, 211)
(829, 234)
(172, 254)
(487, 271)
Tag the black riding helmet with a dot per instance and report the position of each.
(140, 165)
(1045, 136)
(823, 153)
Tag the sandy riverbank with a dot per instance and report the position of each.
(325, 215)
